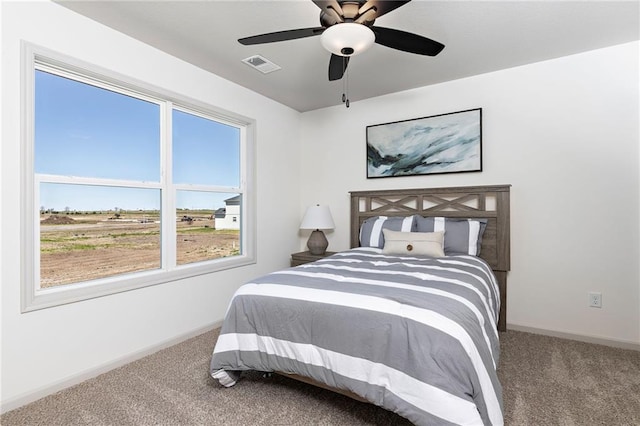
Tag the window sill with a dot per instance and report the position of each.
(72, 293)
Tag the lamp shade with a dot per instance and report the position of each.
(317, 217)
(347, 39)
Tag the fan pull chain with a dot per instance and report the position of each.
(345, 84)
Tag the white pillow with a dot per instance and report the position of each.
(421, 243)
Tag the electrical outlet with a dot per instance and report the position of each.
(595, 299)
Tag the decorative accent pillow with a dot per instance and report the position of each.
(371, 229)
(422, 243)
(461, 236)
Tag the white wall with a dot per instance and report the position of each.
(565, 134)
(44, 349)
(231, 218)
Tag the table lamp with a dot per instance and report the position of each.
(317, 217)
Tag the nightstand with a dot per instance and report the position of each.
(306, 257)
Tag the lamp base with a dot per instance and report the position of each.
(317, 242)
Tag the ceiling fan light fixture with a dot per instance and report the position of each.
(347, 39)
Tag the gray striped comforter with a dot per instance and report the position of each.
(414, 335)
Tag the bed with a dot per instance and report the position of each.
(388, 321)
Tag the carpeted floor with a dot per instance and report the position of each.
(546, 381)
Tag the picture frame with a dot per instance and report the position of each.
(443, 143)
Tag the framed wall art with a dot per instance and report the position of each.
(445, 143)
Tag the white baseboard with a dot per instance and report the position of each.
(616, 343)
(24, 399)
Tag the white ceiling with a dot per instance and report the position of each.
(480, 37)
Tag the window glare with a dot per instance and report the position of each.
(83, 130)
(205, 152)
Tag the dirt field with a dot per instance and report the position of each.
(87, 247)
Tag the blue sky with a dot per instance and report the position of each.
(85, 131)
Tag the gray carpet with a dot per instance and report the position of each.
(547, 381)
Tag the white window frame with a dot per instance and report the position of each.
(34, 298)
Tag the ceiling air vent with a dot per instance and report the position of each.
(262, 64)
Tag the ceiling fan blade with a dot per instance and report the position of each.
(282, 36)
(407, 42)
(337, 66)
(382, 7)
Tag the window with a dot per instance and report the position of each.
(126, 185)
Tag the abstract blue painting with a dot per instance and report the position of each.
(445, 143)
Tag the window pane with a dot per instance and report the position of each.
(89, 232)
(205, 151)
(83, 130)
(208, 226)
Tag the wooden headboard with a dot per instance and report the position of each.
(488, 202)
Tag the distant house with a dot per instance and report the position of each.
(229, 217)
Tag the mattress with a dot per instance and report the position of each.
(414, 335)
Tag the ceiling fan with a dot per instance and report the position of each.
(347, 29)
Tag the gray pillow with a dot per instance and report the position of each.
(371, 229)
(461, 236)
